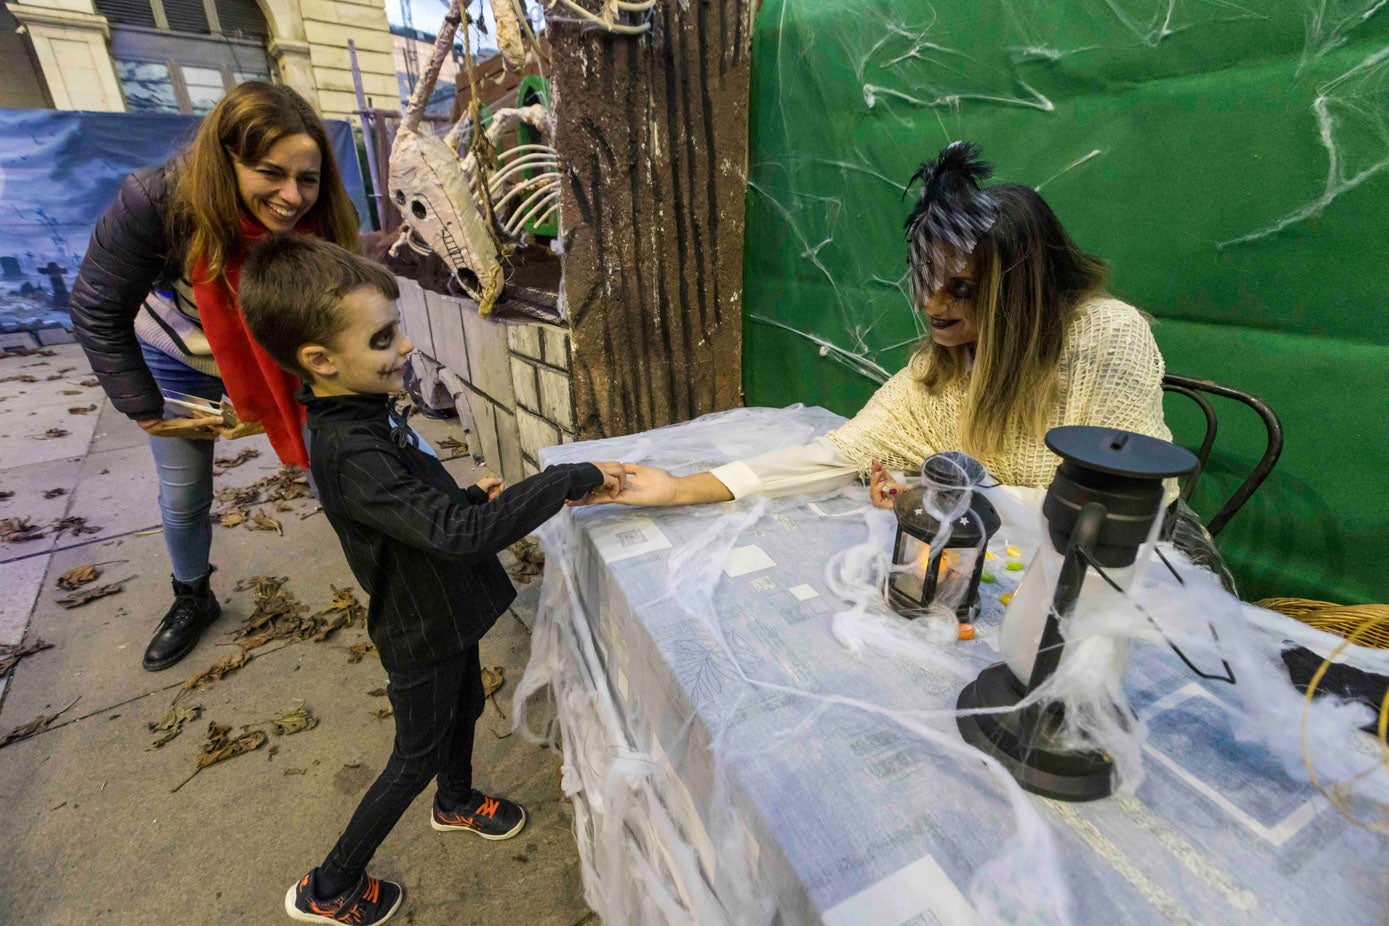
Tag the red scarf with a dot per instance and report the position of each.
(258, 388)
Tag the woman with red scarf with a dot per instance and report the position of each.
(155, 308)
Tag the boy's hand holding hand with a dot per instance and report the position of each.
(492, 486)
(614, 476)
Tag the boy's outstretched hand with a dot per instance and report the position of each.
(492, 486)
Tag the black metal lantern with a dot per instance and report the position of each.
(1100, 508)
(921, 572)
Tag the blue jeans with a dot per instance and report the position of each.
(185, 471)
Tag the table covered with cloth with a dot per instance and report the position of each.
(733, 757)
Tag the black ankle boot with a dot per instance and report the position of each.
(193, 611)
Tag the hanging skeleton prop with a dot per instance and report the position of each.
(446, 194)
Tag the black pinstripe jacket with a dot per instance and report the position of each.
(423, 549)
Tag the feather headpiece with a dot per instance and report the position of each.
(951, 215)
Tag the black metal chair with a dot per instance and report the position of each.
(1193, 389)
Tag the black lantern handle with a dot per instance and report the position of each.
(1084, 534)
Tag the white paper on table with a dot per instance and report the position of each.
(744, 560)
(920, 893)
(625, 539)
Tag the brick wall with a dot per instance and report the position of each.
(509, 380)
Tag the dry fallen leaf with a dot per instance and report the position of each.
(296, 771)
(37, 725)
(81, 409)
(260, 521)
(77, 525)
(53, 434)
(455, 447)
(54, 493)
(4, 494)
(232, 517)
(343, 611)
(85, 595)
(218, 748)
(492, 680)
(171, 724)
(215, 672)
(91, 382)
(377, 693)
(78, 576)
(250, 453)
(278, 615)
(293, 721)
(18, 530)
(72, 392)
(11, 655)
(530, 560)
(383, 713)
(358, 651)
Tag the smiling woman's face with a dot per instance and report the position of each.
(282, 187)
(950, 309)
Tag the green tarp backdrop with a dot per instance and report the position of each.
(1230, 159)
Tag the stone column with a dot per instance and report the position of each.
(69, 42)
(296, 70)
(652, 134)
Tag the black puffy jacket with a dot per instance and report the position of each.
(129, 255)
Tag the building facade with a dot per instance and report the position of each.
(183, 55)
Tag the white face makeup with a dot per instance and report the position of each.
(282, 187)
(950, 309)
(369, 354)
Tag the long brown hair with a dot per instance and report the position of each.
(244, 125)
(1030, 277)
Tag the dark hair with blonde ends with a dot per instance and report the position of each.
(244, 125)
(1030, 277)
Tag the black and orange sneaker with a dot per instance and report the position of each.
(489, 817)
(368, 903)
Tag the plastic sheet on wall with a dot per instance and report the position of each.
(750, 737)
(1229, 157)
(59, 170)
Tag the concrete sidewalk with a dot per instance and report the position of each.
(91, 831)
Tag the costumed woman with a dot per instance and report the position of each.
(1023, 338)
(154, 307)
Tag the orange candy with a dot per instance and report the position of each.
(966, 631)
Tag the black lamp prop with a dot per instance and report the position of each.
(1100, 509)
(946, 479)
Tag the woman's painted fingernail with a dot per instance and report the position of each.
(892, 491)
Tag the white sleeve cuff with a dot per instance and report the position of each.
(738, 478)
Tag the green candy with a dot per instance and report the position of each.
(1014, 567)
(987, 577)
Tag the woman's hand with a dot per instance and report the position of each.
(492, 486)
(649, 486)
(654, 487)
(882, 488)
(190, 428)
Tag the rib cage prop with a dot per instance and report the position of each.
(457, 197)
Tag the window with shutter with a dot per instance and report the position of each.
(127, 12)
(186, 16)
(242, 19)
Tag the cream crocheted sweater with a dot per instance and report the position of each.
(1110, 374)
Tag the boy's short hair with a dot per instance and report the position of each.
(291, 290)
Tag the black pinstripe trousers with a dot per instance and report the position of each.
(436, 710)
